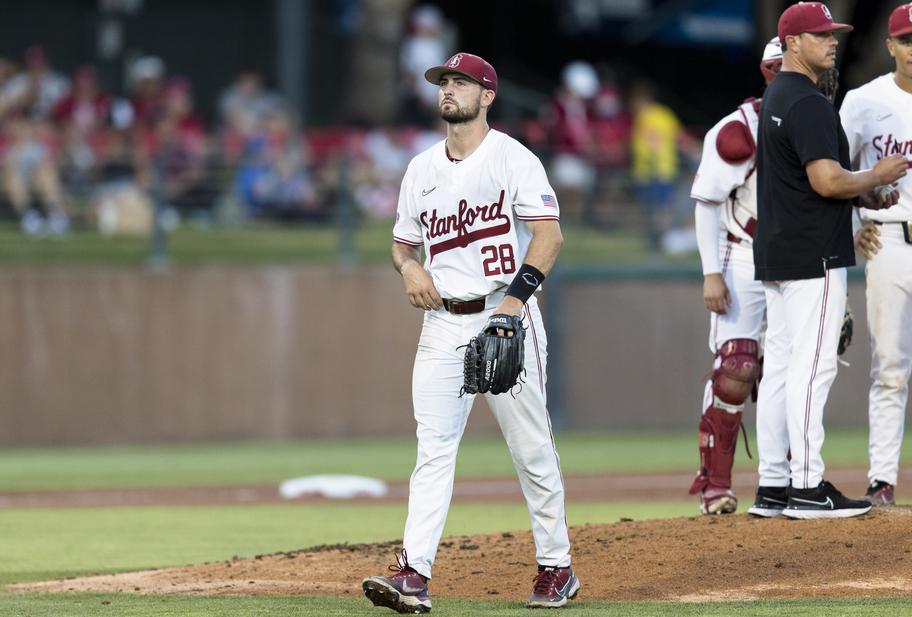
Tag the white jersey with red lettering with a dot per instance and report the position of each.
(470, 216)
(877, 121)
(732, 185)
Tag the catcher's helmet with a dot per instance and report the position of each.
(772, 60)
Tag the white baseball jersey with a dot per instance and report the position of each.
(877, 119)
(878, 122)
(732, 186)
(480, 207)
(471, 218)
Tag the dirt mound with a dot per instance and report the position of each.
(684, 559)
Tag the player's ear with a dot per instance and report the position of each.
(890, 47)
(487, 97)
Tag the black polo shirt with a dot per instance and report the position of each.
(799, 233)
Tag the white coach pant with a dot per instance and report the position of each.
(441, 416)
(804, 319)
(889, 305)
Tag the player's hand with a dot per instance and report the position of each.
(866, 240)
(715, 293)
(891, 168)
(419, 287)
(508, 306)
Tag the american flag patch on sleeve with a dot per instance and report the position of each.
(549, 201)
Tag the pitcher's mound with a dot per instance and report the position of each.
(696, 559)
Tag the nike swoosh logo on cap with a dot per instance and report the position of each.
(486, 79)
(883, 117)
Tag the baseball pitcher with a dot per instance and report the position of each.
(480, 205)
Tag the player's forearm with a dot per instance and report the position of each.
(545, 246)
(829, 179)
(403, 255)
(706, 222)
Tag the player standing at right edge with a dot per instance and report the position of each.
(725, 191)
(877, 119)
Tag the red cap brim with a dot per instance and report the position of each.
(833, 27)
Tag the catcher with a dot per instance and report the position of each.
(480, 205)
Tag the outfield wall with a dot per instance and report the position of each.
(215, 353)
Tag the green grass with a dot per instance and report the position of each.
(92, 605)
(49, 543)
(40, 544)
(316, 244)
(388, 459)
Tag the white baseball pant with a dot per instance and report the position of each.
(441, 416)
(804, 319)
(889, 307)
(744, 318)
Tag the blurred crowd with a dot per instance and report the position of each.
(75, 154)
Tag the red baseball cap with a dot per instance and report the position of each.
(808, 17)
(474, 67)
(901, 20)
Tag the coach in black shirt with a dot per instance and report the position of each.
(802, 247)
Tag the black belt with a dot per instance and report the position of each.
(464, 307)
(906, 227)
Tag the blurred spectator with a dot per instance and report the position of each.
(119, 204)
(147, 85)
(31, 178)
(243, 107)
(385, 155)
(273, 180)
(34, 92)
(173, 154)
(571, 123)
(426, 44)
(82, 116)
(654, 149)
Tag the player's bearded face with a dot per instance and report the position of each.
(458, 112)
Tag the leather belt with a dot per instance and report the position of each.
(906, 227)
(464, 307)
(733, 238)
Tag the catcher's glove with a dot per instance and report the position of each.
(848, 327)
(494, 362)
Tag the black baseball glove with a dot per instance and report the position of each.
(494, 362)
(848, 327)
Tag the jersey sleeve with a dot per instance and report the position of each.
(716, 178)
(814, 130)
(533, 196)
(851, 124)
(407, 229)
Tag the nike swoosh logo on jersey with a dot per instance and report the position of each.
(777, 120)
(426, 192)
(824, 504)
(883, 117)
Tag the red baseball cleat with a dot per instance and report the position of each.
(552, 587)
(405, 591)
(880, 494)
(716, 500)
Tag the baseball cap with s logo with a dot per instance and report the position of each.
(900, 21)
(808, 17)
(474, 67)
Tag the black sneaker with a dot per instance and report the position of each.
(770, 501)
(825, 501)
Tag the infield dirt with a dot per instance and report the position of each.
(698, 559)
